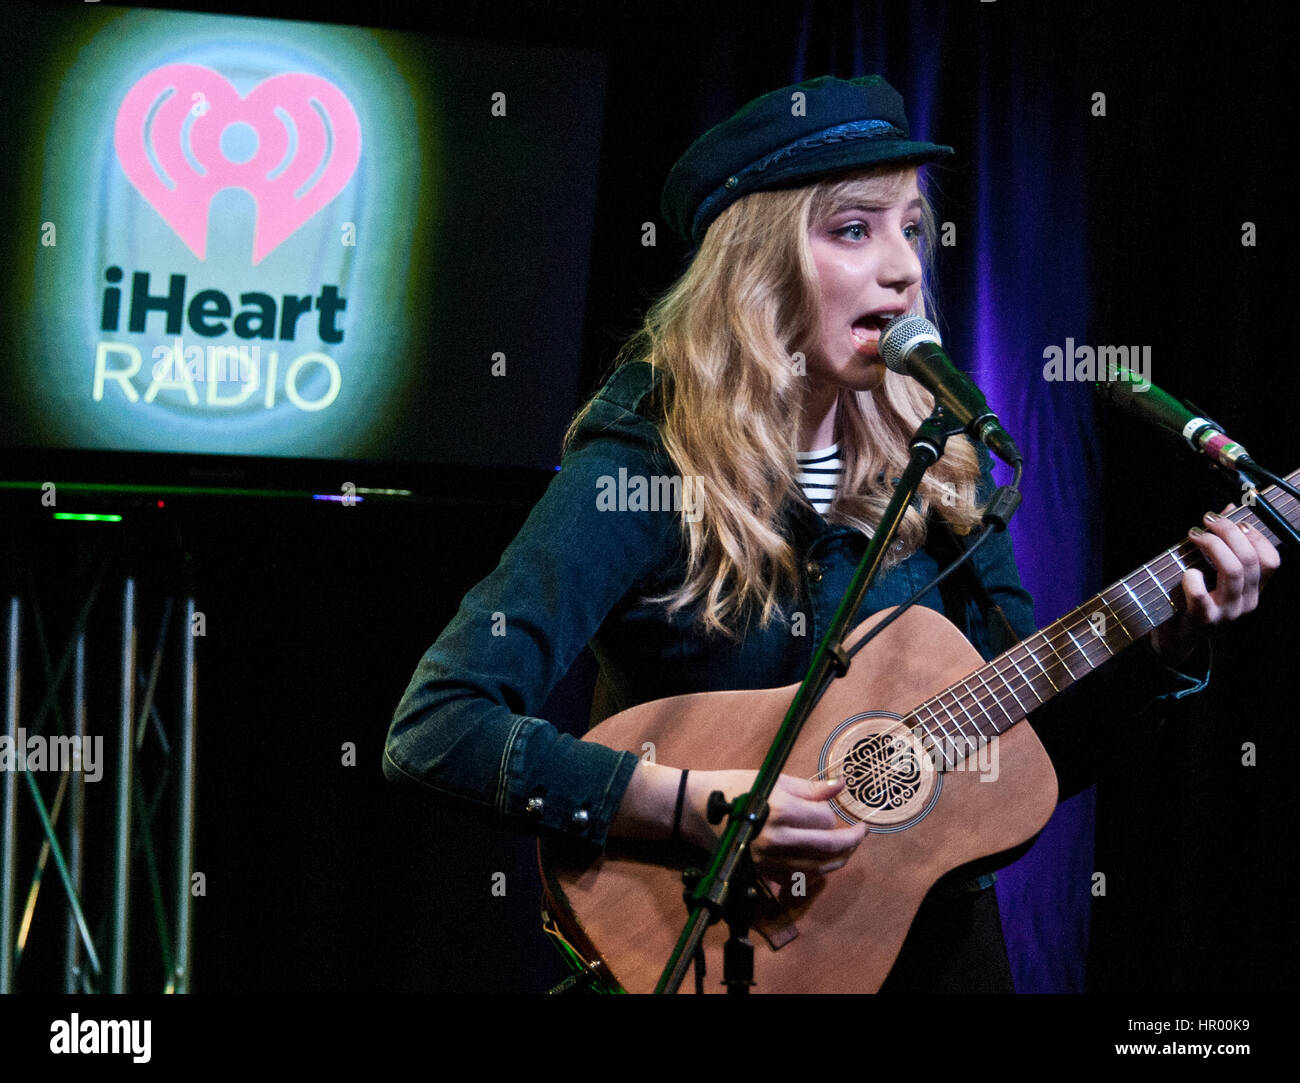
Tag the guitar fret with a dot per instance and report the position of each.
(1010, 688)
(1010, 721)
(974, 744)
(943, 728)
(1052, 647)
(927, 742)
(966, 744)
(1040, 665)
(1079, 647)
(970, 732)
(1028, 683)
(1124, 583)
(980, 704)
(1116, 616)
(925, 726)
(950, 742)
(966, 719)
(1092, 629)
(1159, 585)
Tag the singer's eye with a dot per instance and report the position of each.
(859, 231)
(854, 231)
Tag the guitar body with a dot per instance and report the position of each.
(624, 909)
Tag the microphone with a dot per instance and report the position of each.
(911, 345)
(1145, 401)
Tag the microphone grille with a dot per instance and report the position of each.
(900, 335)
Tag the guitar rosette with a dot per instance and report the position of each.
(890, 778)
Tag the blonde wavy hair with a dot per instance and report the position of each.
(725, 337)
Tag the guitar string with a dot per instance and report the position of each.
(968, 745)
(1052, 639)
(960, 711)
(1063, 637)
(1058, 639)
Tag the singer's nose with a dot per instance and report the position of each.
(900, 264)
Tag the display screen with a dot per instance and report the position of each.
(258, 237)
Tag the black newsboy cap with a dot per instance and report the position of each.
(782, 140)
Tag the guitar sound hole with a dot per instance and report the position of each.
(882, 772)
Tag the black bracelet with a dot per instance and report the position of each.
(677, 812)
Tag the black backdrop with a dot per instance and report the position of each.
(324, 877)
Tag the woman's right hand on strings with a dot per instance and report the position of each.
(802, 833)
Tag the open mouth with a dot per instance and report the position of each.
(866, 329)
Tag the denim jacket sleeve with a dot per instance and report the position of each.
(466, 726)
(1085, 723)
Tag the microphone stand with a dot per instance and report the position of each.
(728, 889)
(1249, 472)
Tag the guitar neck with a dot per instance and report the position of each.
(995, 697)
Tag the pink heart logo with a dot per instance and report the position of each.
(287, 190)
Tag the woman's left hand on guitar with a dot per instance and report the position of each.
(1243, 560)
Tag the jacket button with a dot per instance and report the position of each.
(814, 571)
(534, 806)
(579, 819)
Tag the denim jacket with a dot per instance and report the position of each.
(576, 573)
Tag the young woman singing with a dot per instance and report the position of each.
(757, 389)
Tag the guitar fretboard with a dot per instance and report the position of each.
(965, 716)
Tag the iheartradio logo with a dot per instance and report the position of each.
(173, 119)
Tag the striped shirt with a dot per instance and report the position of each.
(820, 474)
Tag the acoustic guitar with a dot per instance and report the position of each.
(925, 734)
